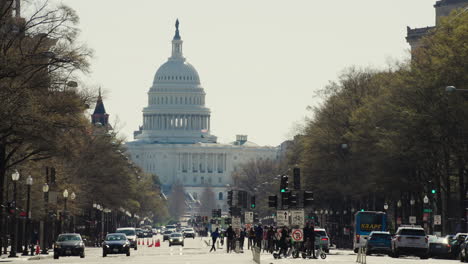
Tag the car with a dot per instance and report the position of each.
(69, 244)
(130, 232)
(166, 235)
(439, 247)
(176, 239)
(410, 241)
(172, 228)
(457, 240)
(116, 243)
(379, 242)
(155, 231)
(139, 232)
(322, 239)
(189, 232)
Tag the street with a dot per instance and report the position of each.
(197, 251)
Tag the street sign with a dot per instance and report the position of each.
(297, 235)
(437, 219)
(236, 222)
(282, 218)
(427, 210)
(249, 217)
(398, 221)
(412, 219)
(297, 218)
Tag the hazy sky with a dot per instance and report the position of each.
(260, 61)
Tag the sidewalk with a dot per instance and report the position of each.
(5, 258)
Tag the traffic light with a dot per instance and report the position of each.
(433, 191)
(285, 198)
(229, 198)
(214, 213)
(255, 217)
(273, 201)
(244, 198)
(284, 183)
(308, 198)
(252, 202)
(293, 200)
(297, 178)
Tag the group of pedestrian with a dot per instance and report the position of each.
(267, 238)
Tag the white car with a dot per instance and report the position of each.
(189, 232)
(176, 239)
(130, 232)
(410, 240)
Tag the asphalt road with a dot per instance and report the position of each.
(196, 251)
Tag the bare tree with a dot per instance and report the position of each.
(207, 201)
(177, 204)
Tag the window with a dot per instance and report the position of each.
(195, 179)
(202, 180)
(219, 180)
(220, 196)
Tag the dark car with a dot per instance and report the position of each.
(379, 242)
(166, 235)
(139, 232)
(69, 245)
(439, 247)
(116, 243)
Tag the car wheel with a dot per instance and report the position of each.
(82, 255)
(104, 254)
(170, 244)
(425, 256)
(396, 254)
(136, 248)
(182, 244)
(56, 256)
(356, 250)
(128, 253)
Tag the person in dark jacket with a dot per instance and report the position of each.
(230, 239)
(311, 239)
(214, 237)
(251, 238)
(259, 236)
(242, 238)
(283, 242)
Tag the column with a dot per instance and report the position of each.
(209, 123)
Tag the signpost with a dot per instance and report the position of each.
(437, 219)
(282, 218)
(297, 218)
(412, 219)
(236, 222)
(297, 235)
(249, 217)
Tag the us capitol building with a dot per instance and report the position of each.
(175, 142)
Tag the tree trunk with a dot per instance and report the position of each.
(2, 187)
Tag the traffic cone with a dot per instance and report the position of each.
(158, 244)
(38, 249)
(138, 241)
(147, 242)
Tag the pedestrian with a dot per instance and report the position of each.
(221, 237)
(251, 238)
(258, 236)
(270, 236)
(242, 238)
(283, 242)
(230, 238)
(214, 237)
(311, 239)
(265, 238)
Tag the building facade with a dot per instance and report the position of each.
(175, 142)
(442, 8)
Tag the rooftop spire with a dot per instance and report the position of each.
(177, 36)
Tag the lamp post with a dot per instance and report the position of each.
(45, 190)
(426, 202)
(65, 198)
(15, 177)
(73, 197)
(412, 202)
(29, 182)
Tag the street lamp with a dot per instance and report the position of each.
(385, 206)
(73, 197)
(29, 182)
(451, 89)
(45, 190)
(15, 177)
(65, 197)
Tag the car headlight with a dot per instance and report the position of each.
(57, 246)
(170, 239)
(107, 246)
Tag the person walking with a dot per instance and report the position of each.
(311, 238)
(283, 242)
(230, 238)
(259, 236)
(251, 238)
(270, 236)
(214, 237)
(242, 238)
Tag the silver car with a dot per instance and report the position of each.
(176, 239)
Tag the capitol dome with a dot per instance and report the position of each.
(176, 71)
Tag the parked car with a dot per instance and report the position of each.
(410, 241)
(379, 242)
(166, 235)
(130, 232)
(69, 244)
(322, 239)
(139, 232)
(439, 247)
(176, 239)
(189, 232)
(116, 243)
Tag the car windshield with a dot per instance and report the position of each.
(167, 232)
(115, 237)
(62, 238)
(320, 233)
(170, 227)
(176, 235)
(188, 230)
(128, 232)
(379, 236)
(412, 232)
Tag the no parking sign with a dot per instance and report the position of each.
(297, 235)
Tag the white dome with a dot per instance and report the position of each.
(176, 71)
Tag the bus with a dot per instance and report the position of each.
(366, 222)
